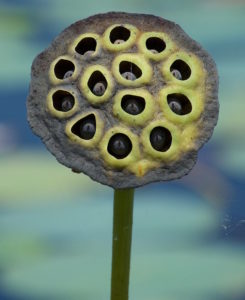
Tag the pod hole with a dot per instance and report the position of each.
(129, 70)
(63, 101)
(97, 83)
(63, 68)
(160, 138)
(119, 35)
(180, 70)
(85, 128)
(179, 104)
(119, 146)
(155, 44)
(132, 104)
(86, 46)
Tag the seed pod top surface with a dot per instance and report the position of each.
(127, 99)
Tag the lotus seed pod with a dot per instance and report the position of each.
(140, 101)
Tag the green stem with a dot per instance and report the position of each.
(121, 249)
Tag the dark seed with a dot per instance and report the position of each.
(154, 51)
(99, 88)
(175, 106)
(87, 130)
(89, 52)
(67, 103)
(177, 74)
(119, 146)
(180, 69)
(129, 76)
(117, 42)
(160, 139)
(132, 107)
(132, 104)
(68, 74)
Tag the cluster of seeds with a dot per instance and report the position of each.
(130, 98)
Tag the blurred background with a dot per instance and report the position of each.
(55, 226)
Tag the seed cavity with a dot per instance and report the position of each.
(160, 138)
(85, 128)
(119, 35)
(179, 104)
(119, 146)
(63, 101)
(64, 69)
(129, 70)
(155, 45)
(180, 70)
(86, 46)
(97, 83)
(132, 104)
